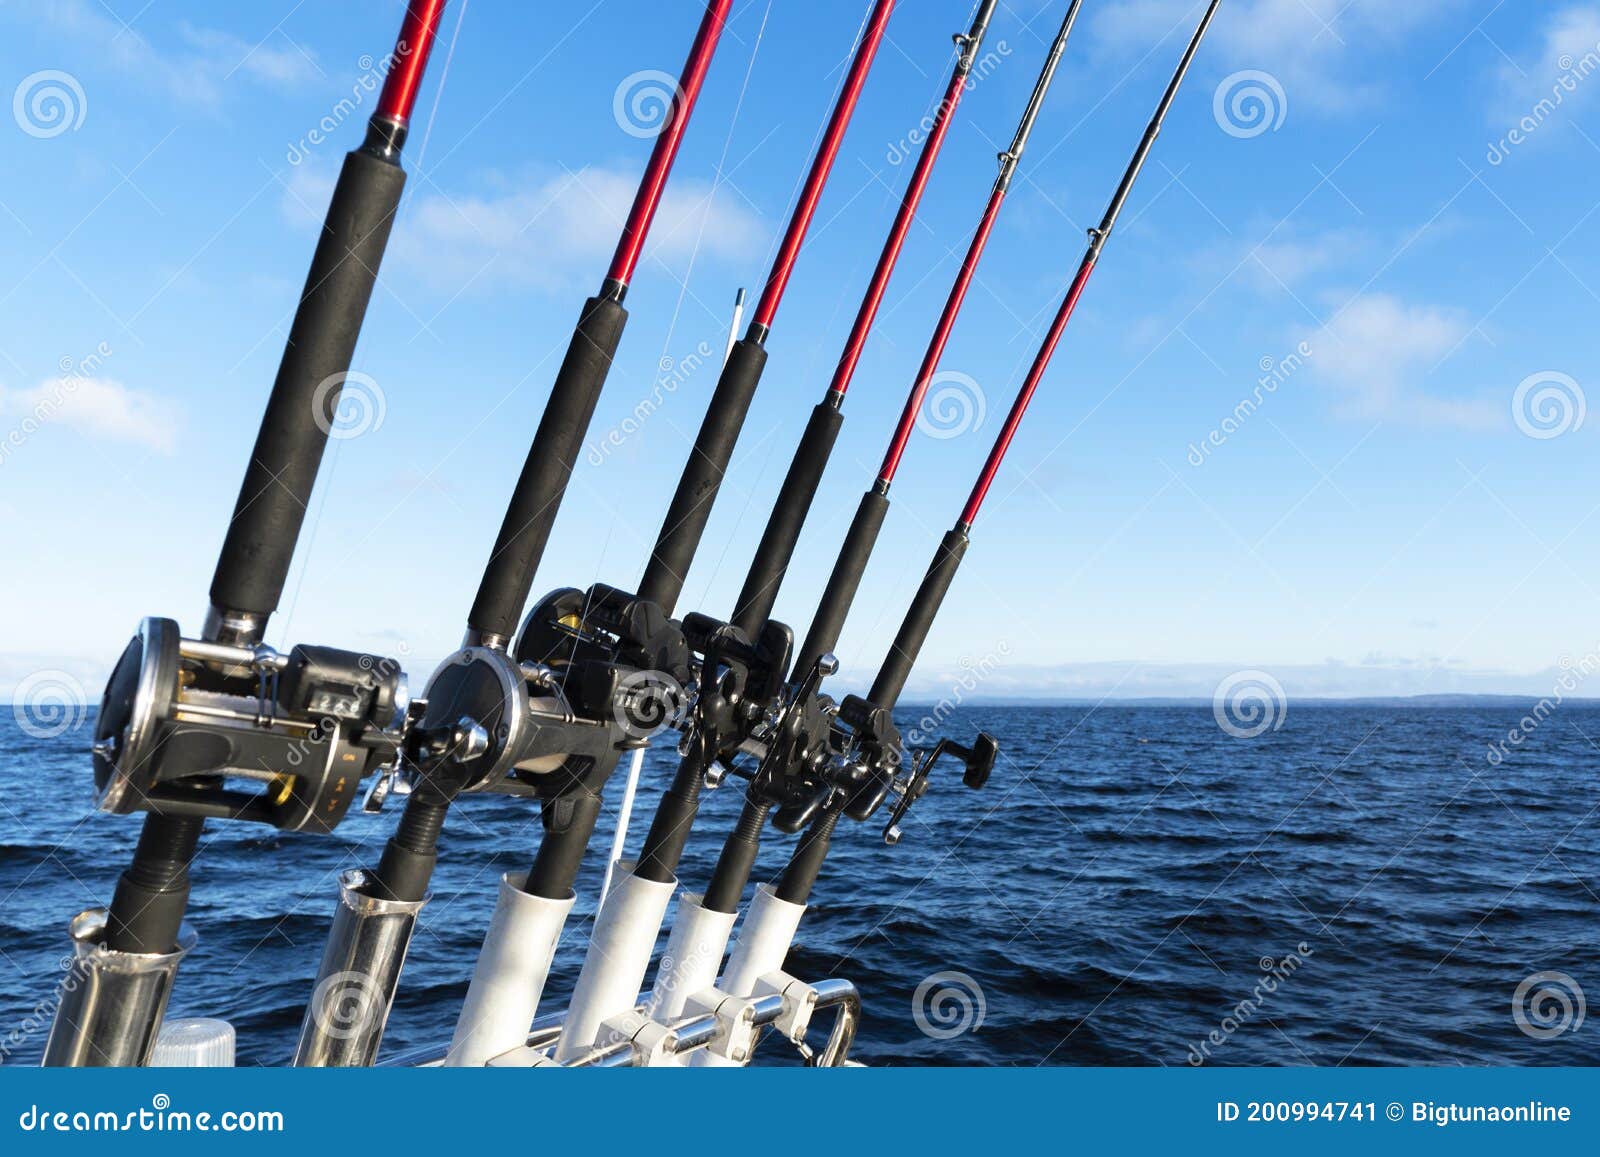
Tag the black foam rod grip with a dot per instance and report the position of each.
(702, 476)
(508, 577)
(840, 592)
(569, 822)
(787, 519)
(300, 411)
(800, 873)
(919, 618)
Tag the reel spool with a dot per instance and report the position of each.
(182, 718)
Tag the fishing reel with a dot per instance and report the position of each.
(590, 674)
(739, 679)
(978, 760)
(792, 774)
(613, 653)
(870, 765)
(182, 719)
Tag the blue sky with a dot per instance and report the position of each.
(1380, 520)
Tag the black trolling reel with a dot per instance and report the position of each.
(741, 679)
(869, 762)
(591, 674)
(795, 744)
(184, 724)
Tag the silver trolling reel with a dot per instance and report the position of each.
(590, 674)
(185, 724)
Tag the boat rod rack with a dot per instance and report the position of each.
(687, 1035)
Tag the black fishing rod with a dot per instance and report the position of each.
(687, 514)
(508, 722)
(625, 927)
(180, 717)
(801, 729)
(724, 717)
(869, 746)
(476, 753)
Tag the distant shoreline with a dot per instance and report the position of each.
(1414, 701)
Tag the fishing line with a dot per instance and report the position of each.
(332, 467)
(716, 183)
(636, 764)
(444, 77)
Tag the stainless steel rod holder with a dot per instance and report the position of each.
(356, 982)
(111, 1003)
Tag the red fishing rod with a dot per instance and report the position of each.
(771, 562)
(691, 504)
(280, 716)
(480, 721)
(862, 536)
(525, 531)
(873, 748)
(799, 725)
(619, 948)
(725, 714)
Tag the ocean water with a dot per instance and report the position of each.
(1135, 887)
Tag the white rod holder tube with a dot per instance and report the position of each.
(692, 959)
(510, 975)
(764, 939)
(625, 931)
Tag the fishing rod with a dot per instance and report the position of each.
(722, 722)
(870, 760)
(701, 931)
(499, 720)
(633, 907)
(182, 719)
(742, 662)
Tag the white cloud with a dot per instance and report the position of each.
(199, 72)
(281, 62)
(99, 407)
(546, 232)
(1316, 48)
(1378, 350)
(1563, 72)
(1290, 258)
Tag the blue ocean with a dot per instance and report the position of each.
(1363, 885)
